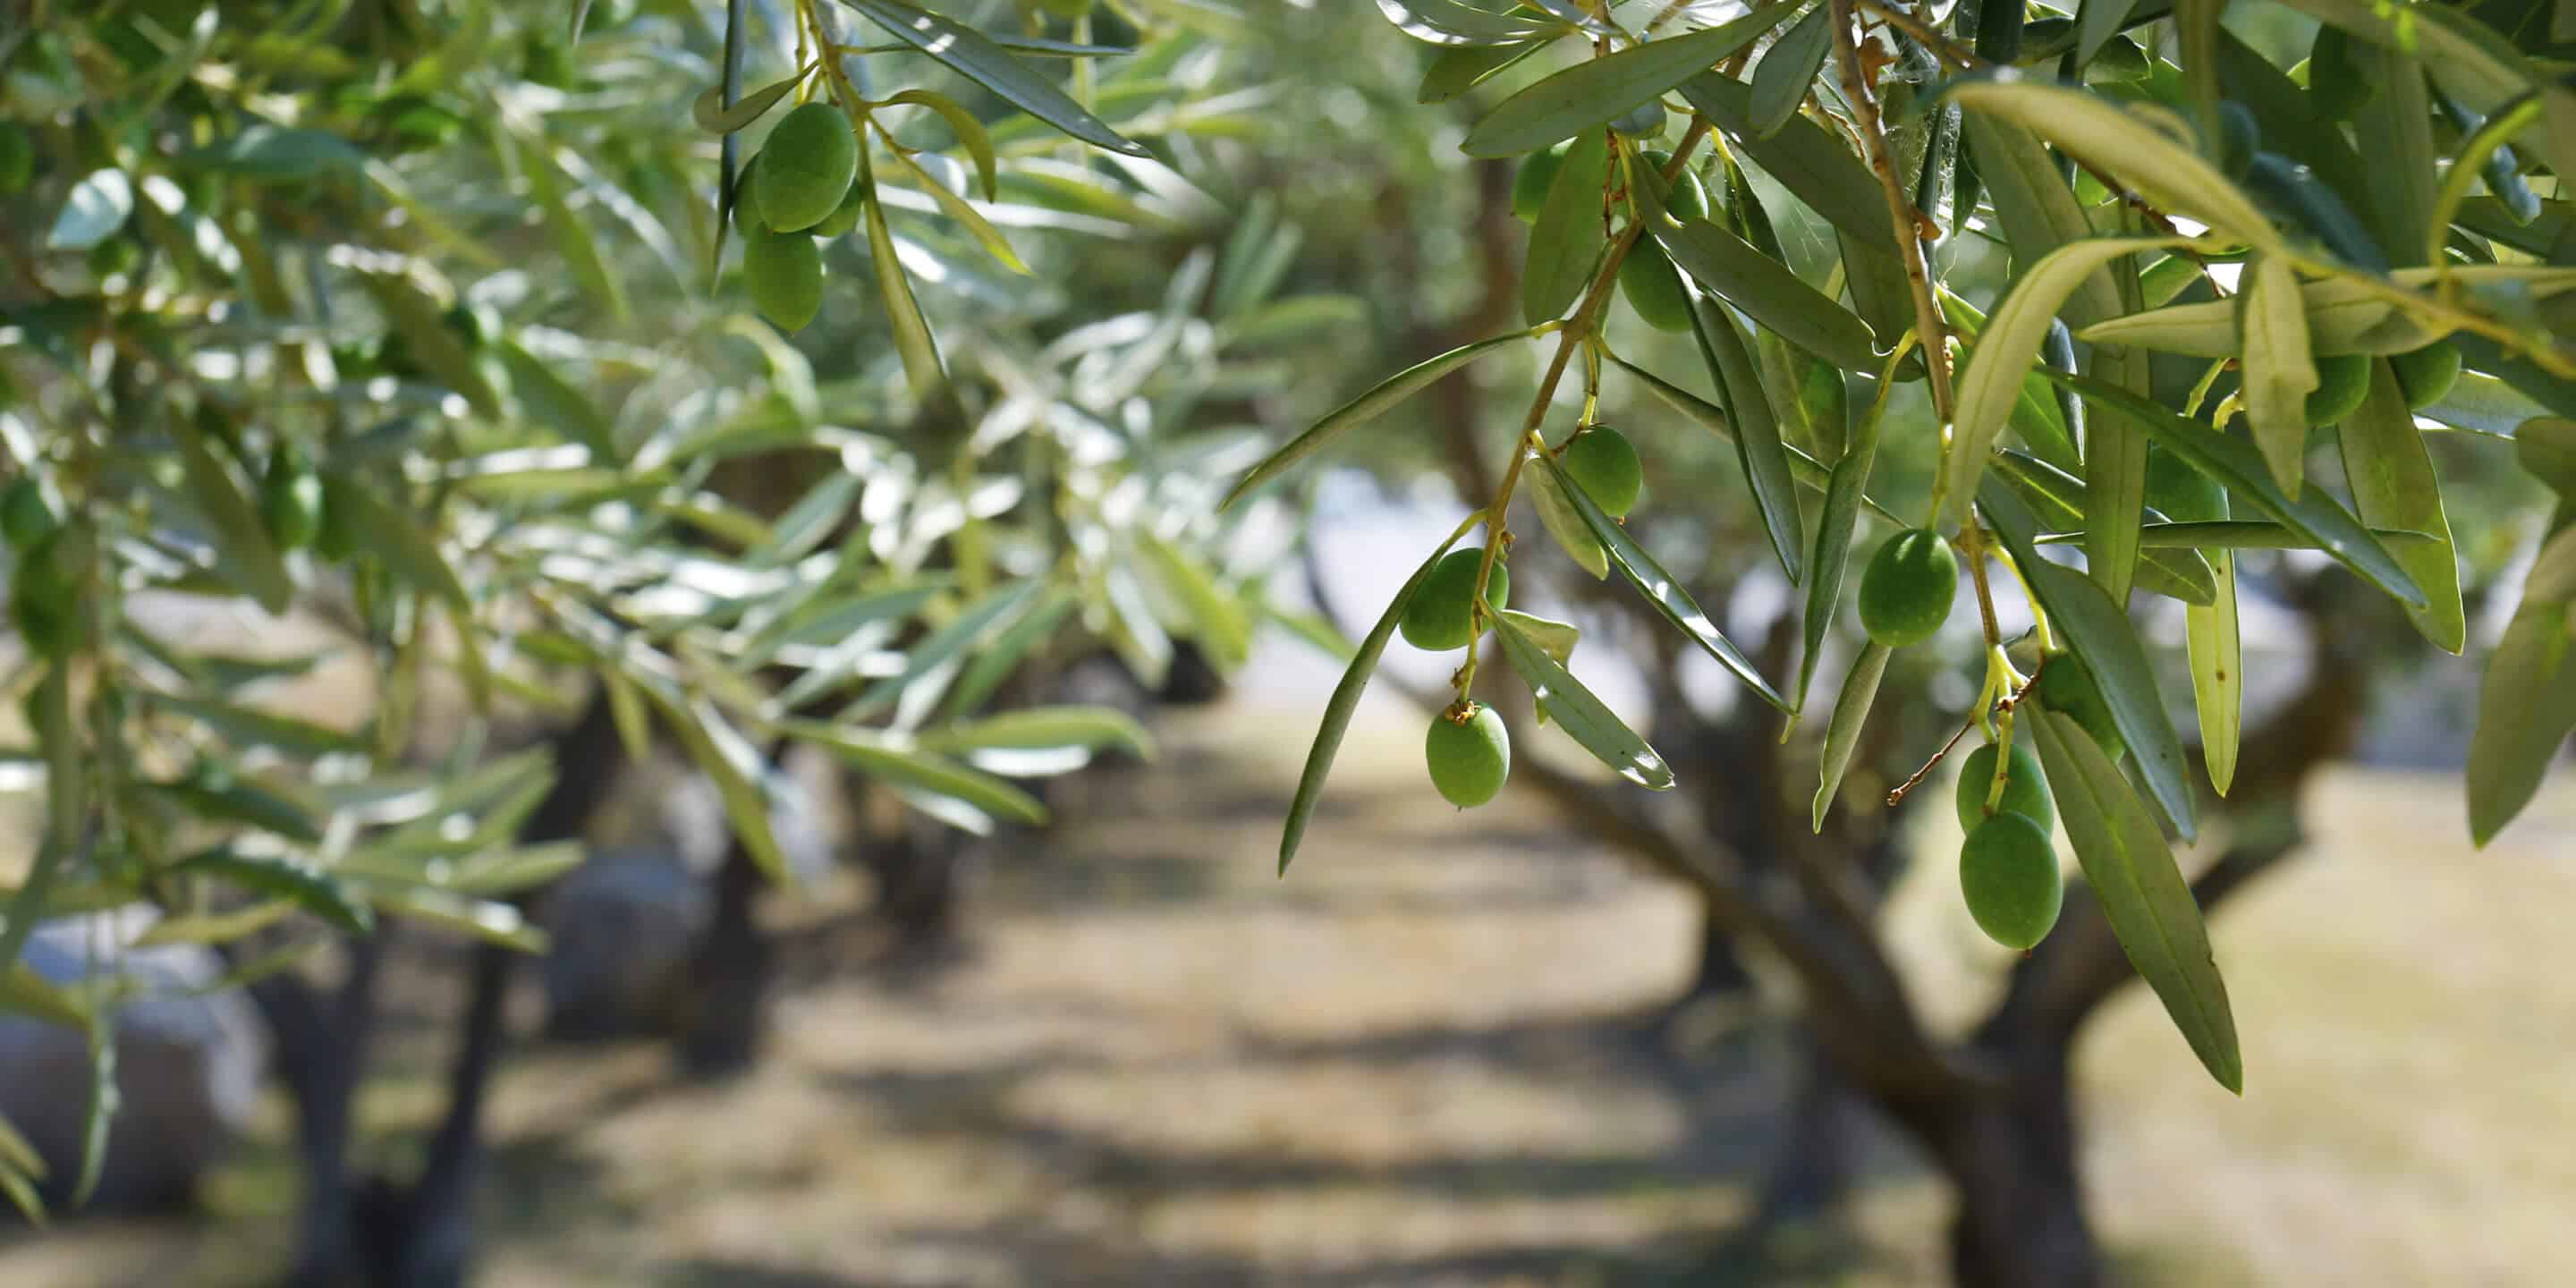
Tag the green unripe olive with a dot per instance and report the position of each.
(44, 601)
(2427, 374)
(1689, 198)
(547, 62)
(2239, 138)
(1644, 121)
(2008, 875)
(846, 216)
(1654, 288)
(1437, 618)
(27, 515)
(1470, 754)
(2343, 380)
(1605, 465)
(2181, 493)
(806, 167)
(783, 272)
(1537, 175)
(746, 199)
(2025, 787)
(17, 157)
(290, 501)
(1906, 591)
(2066, 686)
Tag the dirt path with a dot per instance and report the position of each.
(1413, 1063)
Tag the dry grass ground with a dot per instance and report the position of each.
(1412, 1064)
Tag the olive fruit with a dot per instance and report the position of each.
(290, 500)
(746, 199)
(2427, 374)
(1601, 461)
(27, 515)
(1437, 618)
(806, 167)
(784, 274)
(2066, 686)
(1654, 288)
(1906, 591)
(2025, 788)
(2343, 380)
(2181, 493)
(2008, 874)
(1470, 754)
(1644, 121)
(44, 601)
(845, 216)
(1537, 175)
(17, 157)
(1689, 198)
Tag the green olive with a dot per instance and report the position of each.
(1470, 754)
(1654, 288)
(806, 167)
(1604, 464)
(1537, 174)
(1438, 617)
(2008, 875)
(290, 500)
(2427, 374)
(2066, 686)
(2181, 493)
(2025, 787)
(783, 273)
(2343, 380)
(1906, 592)
(27, 515)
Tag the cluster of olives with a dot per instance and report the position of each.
(801, 186)
(2008, 866)
(1468, 749)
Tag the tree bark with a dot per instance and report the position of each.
(2009, 1151)
(728, 983)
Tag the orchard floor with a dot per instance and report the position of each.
(1415, 1062)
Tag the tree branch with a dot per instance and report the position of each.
(1903, 220)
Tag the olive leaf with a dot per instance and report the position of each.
(1758, 449)
(714, 117)
(1567, 238)
(1594, 91)
(1359, 411)
(1731, 269)
(2393, 486)
(1842, 732)
(2216, 647)
(2141, 890)
(1449, 22)
(1345, 701)
(2101, 133)
(971, 54)
(1788, 69)
(2278, 371)
(1584, 717)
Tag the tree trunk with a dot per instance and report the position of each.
(2009, 1152)
(1721, 971)
(728, 981)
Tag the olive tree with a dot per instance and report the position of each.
(428, 320)
(2217, 333)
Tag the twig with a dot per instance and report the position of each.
(1903, 219)
(1941, 46)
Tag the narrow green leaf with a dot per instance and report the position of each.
(1758, 449)
(995, 662)
(2279, 373)
(1449, 22)
(1595, 90)
(964, 212)
(1359, 411)
(430, 340)
(409, 551)
(2236, 464)
(574, 244)
(2217, 652)
(552, 400)
(2342, 317)
(242, 801)
(912, 338)
(1461, 69)
(1811, 473)
(243, 727)
(1339, 708)
(1661, 588)
(969, 131)
(2121, 144)
(1842, 732)
(1729, 267)
(1567, 238)
(2039, 212)
(106, 1101)
(1788, 69)
(1834, 531)
(2100, 632)
(278, 876)
(2226, 534)
(216, 927)
(2096, 21)
(2393, 486)
(895, 760)
(2397, 122)
(245, 555)
(1563, 522)
(1582, 716)
(1037, 728)
(2142, 892)
(735, 767)
(1813, 163)
(2526, 703)
(485, 919)
(1218, 618)
(2007, 350)
(970, 54)
(1554, 638)
(24, 992)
